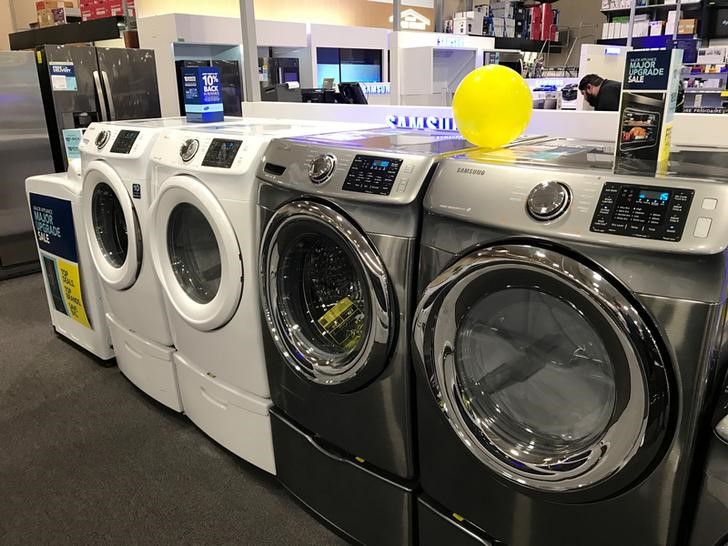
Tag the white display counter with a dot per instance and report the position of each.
(689, 129)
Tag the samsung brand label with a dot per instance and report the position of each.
(421, 122)
(475, 172)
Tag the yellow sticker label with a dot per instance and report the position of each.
(343, 322)
(458, 517)
(39, 57)
(71, 286)
(359, 460)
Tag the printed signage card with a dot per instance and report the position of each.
(54, 231)
(647, 108)
(203, 97)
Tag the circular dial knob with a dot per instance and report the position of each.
(548, 200)
(102, 138)
(321, 169)
(188, 149)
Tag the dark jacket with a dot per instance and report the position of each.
(608, 97)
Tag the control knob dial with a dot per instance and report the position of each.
(548, 200)
(102, 138)
(188, 149)
(321, 168)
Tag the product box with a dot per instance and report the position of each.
(61, 16)
(647, 107)
(203, 97)
(40, 6)
(712, 55)
(687, 26)
(655, 28)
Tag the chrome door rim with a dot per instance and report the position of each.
(375, 349)
(434, 344)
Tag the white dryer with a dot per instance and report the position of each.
(204, 239)
(115, 204)
(71, 282)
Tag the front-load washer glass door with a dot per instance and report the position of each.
(326, 296)
(195, 253)
(112, 226)
(545, 369)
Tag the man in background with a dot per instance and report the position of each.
(601, 94)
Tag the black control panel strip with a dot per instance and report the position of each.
(221, 153)
(124, 141)
(642, 211)
(369, 174)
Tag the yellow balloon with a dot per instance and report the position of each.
(492, 106)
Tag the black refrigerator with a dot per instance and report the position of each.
(81, 85)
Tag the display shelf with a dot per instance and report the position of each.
(527, 45)
(647, 42)
(685, 6)
(107, 28)
(704, 91)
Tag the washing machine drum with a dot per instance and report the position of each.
(112, 226)
(326, 296)
(196, 254)
(547, 370)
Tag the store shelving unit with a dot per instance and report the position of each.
(658, 10)
(107, 28)
(705, 88)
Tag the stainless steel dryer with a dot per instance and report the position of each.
(710, 525)
(341, 215)
(568, 343)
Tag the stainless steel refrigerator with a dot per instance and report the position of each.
(86, 84)
(24, 152)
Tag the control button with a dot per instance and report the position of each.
(548, 200)
(321, 169)
(709, 203)
(401, 186)
(102, 138)
(409, 168)
(702, 227)
(188, 149)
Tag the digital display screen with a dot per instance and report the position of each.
(221, 153)
(651, 197)
(124, 141)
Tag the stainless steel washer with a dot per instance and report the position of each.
(338, 261)
(568, 341)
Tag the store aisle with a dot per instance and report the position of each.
(86, 458)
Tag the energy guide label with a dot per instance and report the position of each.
(54, 231)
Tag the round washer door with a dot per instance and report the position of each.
(326, 296)
(546, 370)
(196, 253)
(112, 226)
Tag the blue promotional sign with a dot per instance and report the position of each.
(54, 231)
(647, 70)
(203, 94)
(53, 220)
(63, 76)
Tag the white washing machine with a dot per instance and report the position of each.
(115, 204)
(71, 282)
(204, 244)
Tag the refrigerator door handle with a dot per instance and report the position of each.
(107, 85)
(100, 93)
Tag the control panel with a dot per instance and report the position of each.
(642, 211)
(124, 141)
(370, 174)
(221, 153)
